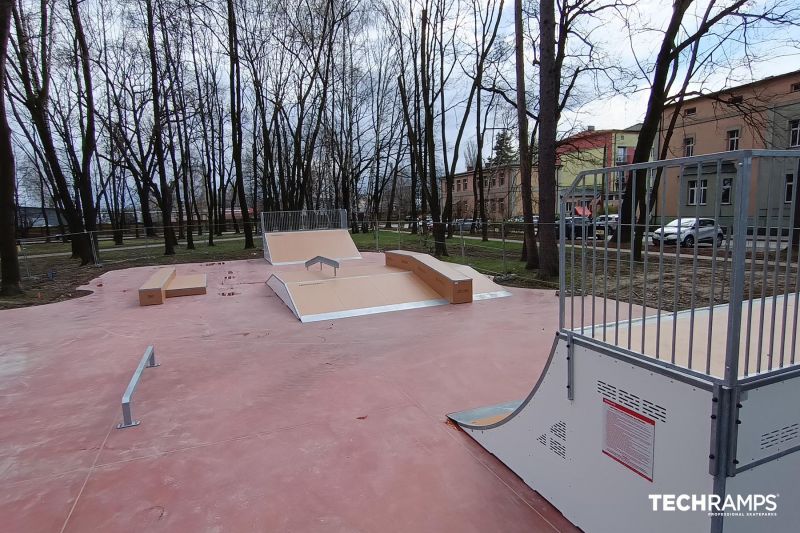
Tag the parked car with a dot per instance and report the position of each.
(465, 224)
(604, 225)
(575, 227)
(688, 231)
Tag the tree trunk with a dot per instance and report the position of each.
(158, 141)
(9, 271)
(549, 81)
(532, 257)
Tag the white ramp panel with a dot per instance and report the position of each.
(565, 449)
(768, 448)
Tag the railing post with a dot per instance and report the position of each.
(742, 192)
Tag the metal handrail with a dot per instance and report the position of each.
(751, 277)
(148, 361)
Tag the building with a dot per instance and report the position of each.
(502, 192)
(764, 114)
(588, 150)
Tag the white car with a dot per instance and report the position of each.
(688, 231)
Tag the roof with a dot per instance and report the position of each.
(762, 81)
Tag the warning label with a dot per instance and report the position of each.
(629, 438)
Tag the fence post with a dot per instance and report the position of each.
(95, 250)
(461, 233)
(26, 261)
(503, 234)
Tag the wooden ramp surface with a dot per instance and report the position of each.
(189, 285)
(316, 294)
(294, 247)
(707, 340)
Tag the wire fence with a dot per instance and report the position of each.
(49, 260)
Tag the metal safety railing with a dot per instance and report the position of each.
(715, 288)
(148, 361)
(275, 221)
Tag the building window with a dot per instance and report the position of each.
(688, 146)
(622, 152)
(727, 183)
(494, 182)
(458, 186)
(491, 205)
(697, 196)
(502, 179)
(733, 140)
(788, 189)
(690, 111)
(794, 133)
(501, 206)
(795, 87)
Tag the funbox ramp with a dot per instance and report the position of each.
(356, 290)
(632, 430)
(296, 247)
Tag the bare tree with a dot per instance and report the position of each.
(9, 275)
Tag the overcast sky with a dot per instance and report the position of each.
(779, 54)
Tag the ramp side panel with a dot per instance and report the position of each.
(295, 247)
(768, 451)
(557, 446)
(279, 287)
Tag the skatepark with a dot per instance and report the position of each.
(322, 392)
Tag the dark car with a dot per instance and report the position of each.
(575, 227)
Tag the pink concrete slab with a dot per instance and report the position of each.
(41, 504)
(257, 422)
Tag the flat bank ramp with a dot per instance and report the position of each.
(296, 247)
(340, 297)
(363, 289)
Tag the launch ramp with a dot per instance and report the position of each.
(698, 400)
(294, 237)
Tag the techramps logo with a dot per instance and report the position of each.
(750, 505)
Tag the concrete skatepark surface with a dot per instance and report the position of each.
(257, 422)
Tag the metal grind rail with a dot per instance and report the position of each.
(148, 361)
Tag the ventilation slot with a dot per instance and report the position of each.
(558, 448)
(768, 440)
(555, 439)
(629, 400)
(559, 430)
(781, 436)
(654, 411)
(604, 389)
(632, 401)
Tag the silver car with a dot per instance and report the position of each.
(688, 231)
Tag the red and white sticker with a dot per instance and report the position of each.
(629, 438)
